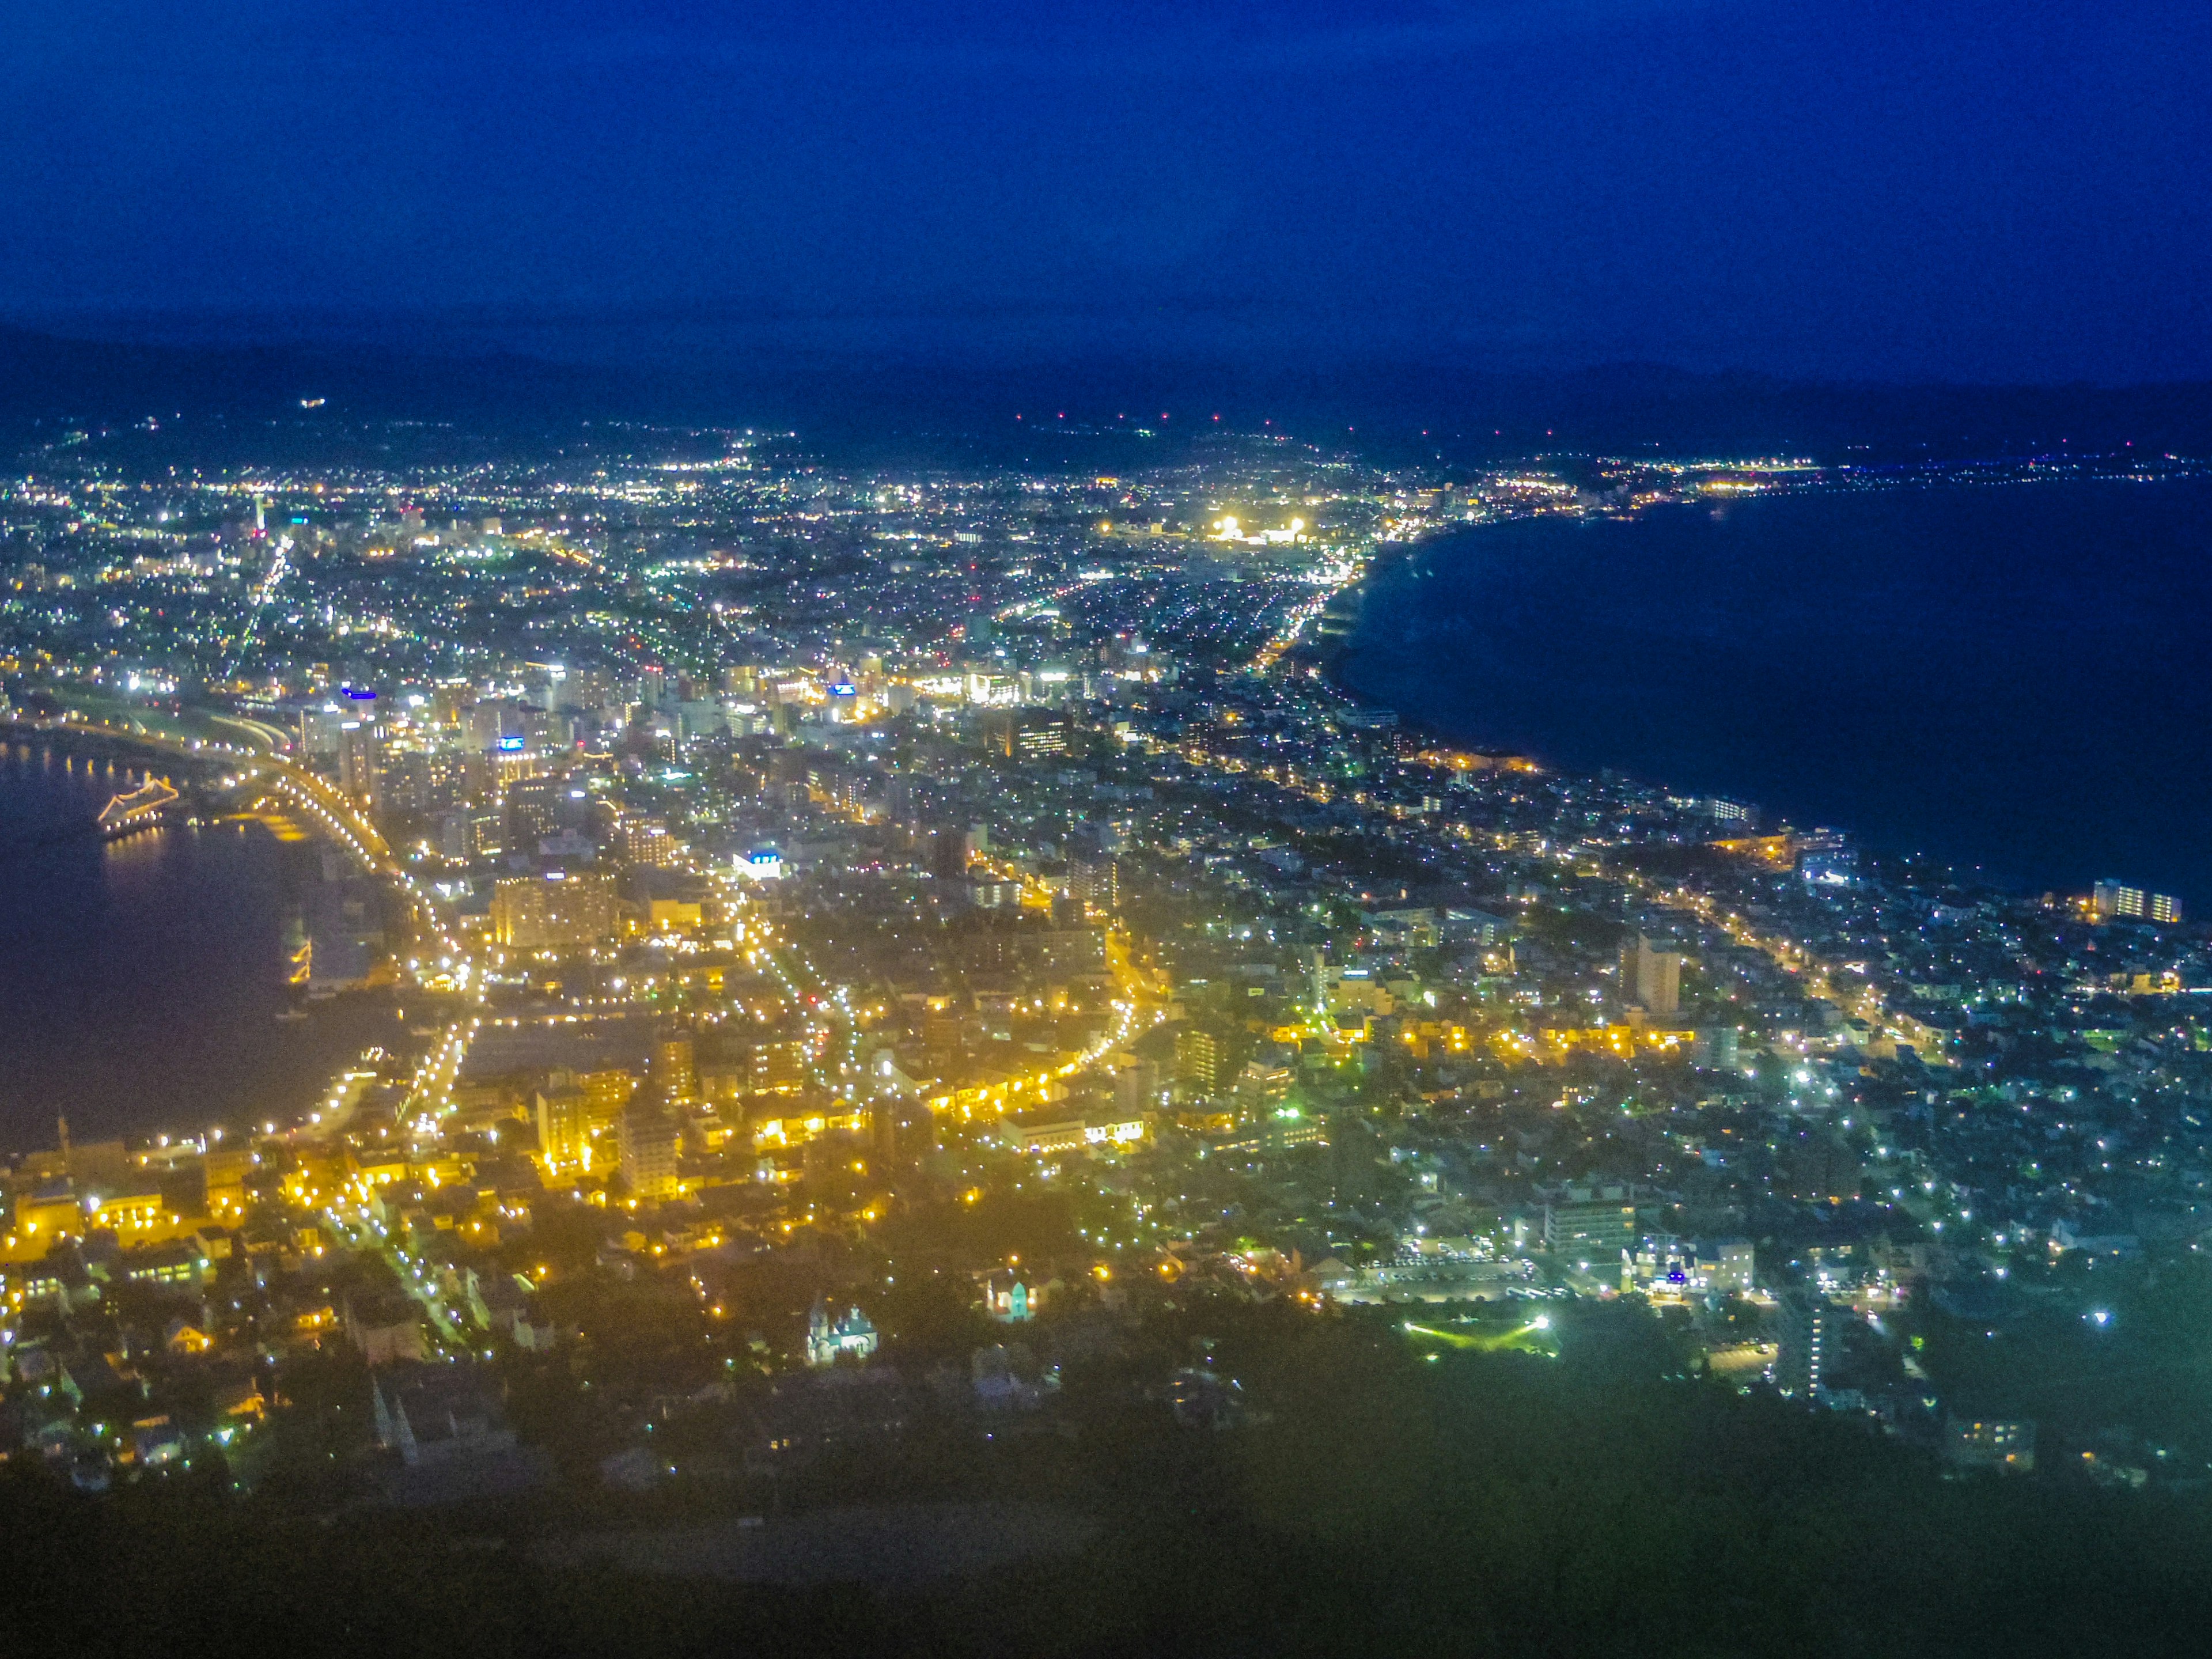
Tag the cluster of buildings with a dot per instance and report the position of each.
(787, 852)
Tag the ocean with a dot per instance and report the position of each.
(141, 980)
(2012, 677)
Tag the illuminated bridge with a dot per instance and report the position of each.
(252, 756)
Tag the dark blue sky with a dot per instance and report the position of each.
(1865, 189)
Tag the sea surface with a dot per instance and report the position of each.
(2015, 677)
(141, 980)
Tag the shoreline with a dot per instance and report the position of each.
(173, 922)
(1330, 650)
(1329, 659)
(1330, 664)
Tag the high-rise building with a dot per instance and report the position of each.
(675, 1068)
(321, 731)
(948, 853)
(448, 700)
(1807, 1348)
(538, 808)
(574, 1111)
(497, 726)
(2112, 899)
(608, 1090)
(1650, 978)
(1198, 1058)
(358, 757)
(482, 834)
(406, 781)
(647, 841)
(648, 1138)
(1261, 1088)
(1095, 881)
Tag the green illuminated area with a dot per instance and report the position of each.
(1472, 1334)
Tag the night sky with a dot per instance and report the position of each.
(1999, 191)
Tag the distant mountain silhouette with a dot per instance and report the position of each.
(1467, 411)
(44, 376)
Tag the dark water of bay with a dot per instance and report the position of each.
(140, 979)
(2016, 677)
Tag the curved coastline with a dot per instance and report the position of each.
(144, 974)
(1330, 648)
(1929, 669)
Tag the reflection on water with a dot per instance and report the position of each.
(141, 979)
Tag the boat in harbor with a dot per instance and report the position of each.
(144, 808)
